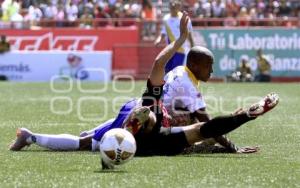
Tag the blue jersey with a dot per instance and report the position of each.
(118, 122)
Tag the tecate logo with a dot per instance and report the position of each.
(50, 42)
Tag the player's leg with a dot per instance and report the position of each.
(224, 124)
(60, 142)
(92, 131)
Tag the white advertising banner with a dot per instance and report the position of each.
(46, 65)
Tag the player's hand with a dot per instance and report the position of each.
(247, 149)
(184, 25)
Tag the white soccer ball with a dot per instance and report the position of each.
(117, 146)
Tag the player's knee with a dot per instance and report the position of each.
(193, 134)
(85, 143)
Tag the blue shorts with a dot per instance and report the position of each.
(118, 122)
(176, 60)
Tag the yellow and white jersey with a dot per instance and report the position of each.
(181, 92)
(171, 29)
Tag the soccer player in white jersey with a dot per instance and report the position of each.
(182, 99)
(170, 32)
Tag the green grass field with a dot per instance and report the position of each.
(29, 105)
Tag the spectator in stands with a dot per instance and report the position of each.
(243, 17)
(80, 6)
(4, 45)
(272, 7)
(89, 5)
(218, 9)
(170, 32)
(9, 7)
(253, 16)
(136, 8)
(17, 21)
(230, 20)
(27, 3)
(102, 16)
(71, 13)
(50, 11)
(86, 20)
(115, 12)
(264, 68)
(284, 9)
(207, 6)
(131, 9)
(229, 9)
(198, 10)
(232, 8)
(60, 16)
(149, 17)
(34, 15)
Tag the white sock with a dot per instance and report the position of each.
(64, 142)
(95, 145)
(176, 129)
(92, 131)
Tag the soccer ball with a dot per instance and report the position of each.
(117, 146)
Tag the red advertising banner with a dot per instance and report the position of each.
(70, 39)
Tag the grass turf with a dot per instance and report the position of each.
(29, 105)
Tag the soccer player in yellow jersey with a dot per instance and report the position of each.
(170, 32)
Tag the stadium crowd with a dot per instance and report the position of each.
(82, 12)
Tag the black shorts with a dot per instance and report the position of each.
(160, 144)
(155, 143)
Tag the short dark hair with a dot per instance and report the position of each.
(197, 53)
(175, 2)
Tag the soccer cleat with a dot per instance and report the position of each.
(20, 142)
(264, 105)
(83, 134)
(138, 118)
(141, 114)
(106, 166)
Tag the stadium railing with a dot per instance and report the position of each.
(125, 22)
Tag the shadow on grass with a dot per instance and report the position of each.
(113, 171)
(220, 156)
(201, 152)
(51, 151)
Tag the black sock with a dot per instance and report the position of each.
(223, 124)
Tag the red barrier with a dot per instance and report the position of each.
(134, 60)
(71, 39)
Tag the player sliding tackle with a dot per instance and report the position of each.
(150, 123)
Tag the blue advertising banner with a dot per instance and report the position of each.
(49, 65)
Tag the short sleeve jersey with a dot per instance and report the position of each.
(181, 92)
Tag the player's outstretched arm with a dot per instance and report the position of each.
(157, 73)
